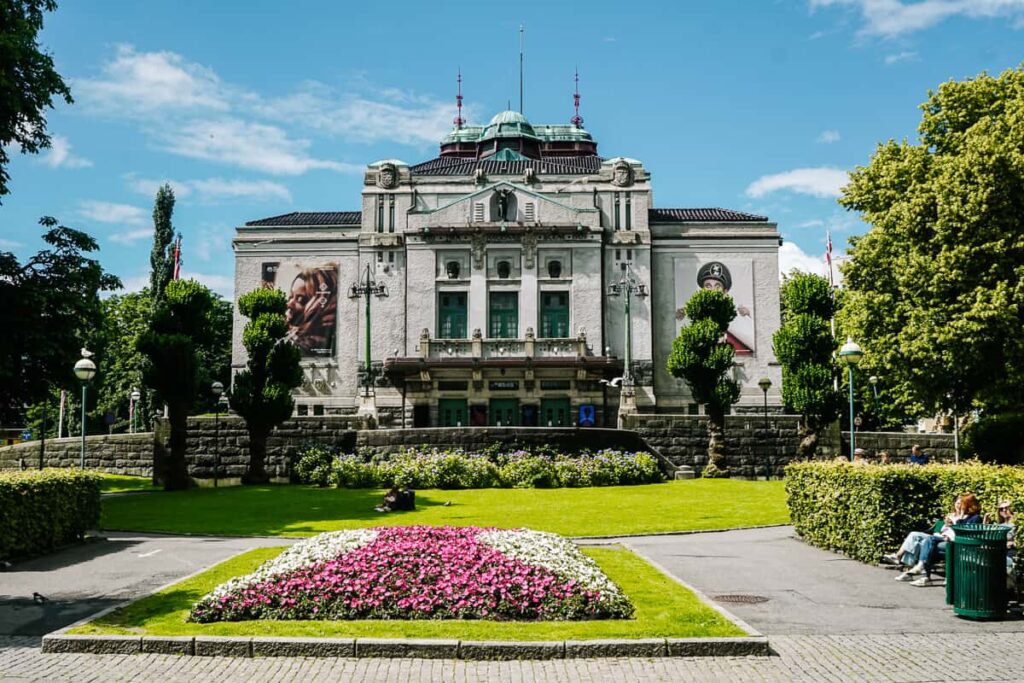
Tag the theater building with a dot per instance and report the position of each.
(490, 285)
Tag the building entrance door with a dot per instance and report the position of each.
(504, 412)
(554, 412)
(452, 412)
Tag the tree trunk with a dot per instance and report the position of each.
(716, 466)
(256, 472)
(175, 474)
(808, 446)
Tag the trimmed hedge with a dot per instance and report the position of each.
(42, 510)
(457, 469)
(866, 511)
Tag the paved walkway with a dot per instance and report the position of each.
(828, 619)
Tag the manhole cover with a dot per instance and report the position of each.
(741, 599)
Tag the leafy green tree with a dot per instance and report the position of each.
(261, 393)
(125, 318)
(703, 358)
(804, 346)
(28, 81)
(51, 309)
(161, 258)
(935, 290)
(180, 325)
(216, 353)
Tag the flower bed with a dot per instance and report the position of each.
(422, 572)
(457, 469)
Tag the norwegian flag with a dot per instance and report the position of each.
(828, 257)
(177, 258)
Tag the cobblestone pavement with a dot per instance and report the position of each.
(910, 657)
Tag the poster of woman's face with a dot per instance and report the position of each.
(312, 293)
(735, 277)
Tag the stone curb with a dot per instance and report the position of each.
(225, 646)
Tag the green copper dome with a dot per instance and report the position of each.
(508, 124)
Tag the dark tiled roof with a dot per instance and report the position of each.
(309, 218)
(551, 165)
(711, 215)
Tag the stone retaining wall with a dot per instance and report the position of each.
(750, 450)
(114, 453)
(938, 446)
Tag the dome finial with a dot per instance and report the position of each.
(459, 121)
(577, 120)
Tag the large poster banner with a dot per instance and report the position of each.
(733, 276)
(312, 293)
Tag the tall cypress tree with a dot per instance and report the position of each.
(161, 259)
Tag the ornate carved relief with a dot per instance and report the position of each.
(529, 248)
(478, 245)
(387, 176)
(622, 174)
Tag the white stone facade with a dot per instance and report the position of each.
(497, 268)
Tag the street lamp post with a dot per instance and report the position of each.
(873, 381)
(629, 286)
(851, 353)
(133, 408)
(765, 383)
(85, 370)
(216, 389)
(367, 289)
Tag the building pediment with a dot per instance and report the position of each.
(504, 203)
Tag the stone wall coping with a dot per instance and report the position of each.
(247, 647)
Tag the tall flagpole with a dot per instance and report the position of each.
(521, 68)
(832, 319)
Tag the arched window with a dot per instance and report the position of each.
(504, 206)
(452, 269)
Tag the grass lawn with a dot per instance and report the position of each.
(696, 504)
(121, 483)
(663, 609)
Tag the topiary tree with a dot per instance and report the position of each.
(180, 325)
(703, 358)
(804, 346)
(262, 392)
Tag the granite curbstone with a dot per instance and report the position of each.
(718, 647)
(303, 647)
(407, 647)
(223, 646)
(643, 647)
(97, 645)
(169, 645)
(499, 650)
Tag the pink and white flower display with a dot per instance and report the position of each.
(422, 572)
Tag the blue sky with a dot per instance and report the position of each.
(257, 108)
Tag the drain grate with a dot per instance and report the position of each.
(741, 599)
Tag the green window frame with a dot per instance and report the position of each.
(503, 317)
(554, 314)
(451, 315)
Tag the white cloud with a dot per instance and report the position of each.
(214, 189)
(222, 284)
(254, 146)
(135, 84)
(792, 257)
(890, 18)
(818, 182)
(813, 223)
(827, 137)
(60, 156)
(109, 212)
(213, 243)
(904, 56)
(134, 283)
(131, 236)
(10, 244)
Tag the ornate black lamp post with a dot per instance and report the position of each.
(85, 370)
(368, 288)
(851, 353)
(216, 389)
(765, 383)
(629, 286)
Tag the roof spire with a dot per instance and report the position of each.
(577, 120)
(459, 121)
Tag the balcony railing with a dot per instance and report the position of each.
(528, 347)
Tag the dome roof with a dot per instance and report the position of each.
(508, 124)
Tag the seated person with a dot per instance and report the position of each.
(883, 457)
(1004, 518)
(934, 546)
(910, 552)
(918, 456)
(390, 500)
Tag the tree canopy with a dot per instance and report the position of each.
(28, 81)
(935, 290)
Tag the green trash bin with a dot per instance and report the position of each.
(976, 571)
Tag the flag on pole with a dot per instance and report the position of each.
(177, 258)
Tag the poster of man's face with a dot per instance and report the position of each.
(312, 294)
(735, 277)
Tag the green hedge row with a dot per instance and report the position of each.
(865, 511)
(41, 510)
